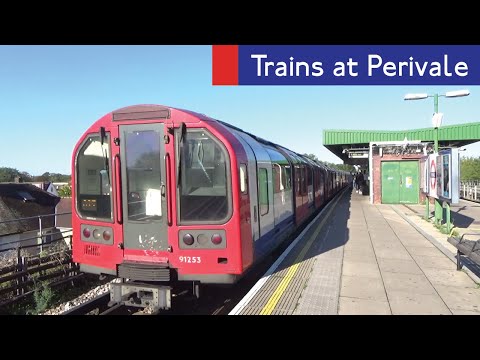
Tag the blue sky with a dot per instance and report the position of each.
(50, 95)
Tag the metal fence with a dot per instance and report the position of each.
(470, 190)
(44, 257)
(40, 235)
(21, 278)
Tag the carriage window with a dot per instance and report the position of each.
(93, 176)
(204, 183)
(298, 178)
(243, 179)
(303, 189)
(287, 177)
(277, 178)
(263, 190)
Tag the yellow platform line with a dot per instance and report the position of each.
(277, 294)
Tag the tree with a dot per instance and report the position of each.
(65, 191)
(8, 174)
(344, 167)
(26, 177)
(44, 177)
(53, 177)
(311, 156)
(470, 169)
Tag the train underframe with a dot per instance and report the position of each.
(145, 285)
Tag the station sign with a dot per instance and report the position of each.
(358, 155)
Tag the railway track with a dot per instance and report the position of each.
(99, 306)
(214, 299)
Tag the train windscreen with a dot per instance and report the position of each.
(93, 193)
(203, 187)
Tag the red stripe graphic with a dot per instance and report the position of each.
(225, 64)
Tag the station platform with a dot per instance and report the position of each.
(465, 215)
(358, 258)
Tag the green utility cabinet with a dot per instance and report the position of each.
(400, 182)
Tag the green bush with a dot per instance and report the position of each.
(65, 191)
(42, 296)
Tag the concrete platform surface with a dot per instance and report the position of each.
(363, 259)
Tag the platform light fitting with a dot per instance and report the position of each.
(415, 96)
(457, 93)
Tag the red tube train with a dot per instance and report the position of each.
(164, 195)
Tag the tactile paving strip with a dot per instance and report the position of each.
(314, 286)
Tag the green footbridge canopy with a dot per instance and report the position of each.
(349, 145)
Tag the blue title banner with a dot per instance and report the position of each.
(352, 65)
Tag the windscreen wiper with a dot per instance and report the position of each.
(104, 152)
(200, 147)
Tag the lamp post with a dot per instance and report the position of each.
(437, 119)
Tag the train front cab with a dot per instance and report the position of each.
(153, 209)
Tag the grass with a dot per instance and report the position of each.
(42, 297)
(45, 298)
(443, 228)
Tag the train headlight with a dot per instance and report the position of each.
(217, 239)
(107, 235)
(97, 234)
(87, 232)
(188, 239)
(202, 239)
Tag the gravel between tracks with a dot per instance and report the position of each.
(60, 309)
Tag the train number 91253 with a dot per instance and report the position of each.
(190, 259)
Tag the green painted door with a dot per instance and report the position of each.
(409, 182)
(390, 182)
(400, 182)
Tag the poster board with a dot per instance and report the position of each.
(448, 174)
(424, 175)
(432, 175)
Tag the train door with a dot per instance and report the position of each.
(252, 187)
(265, 197)
(143, 187)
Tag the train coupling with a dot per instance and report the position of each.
(141, 295)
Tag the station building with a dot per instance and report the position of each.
(392, 158)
